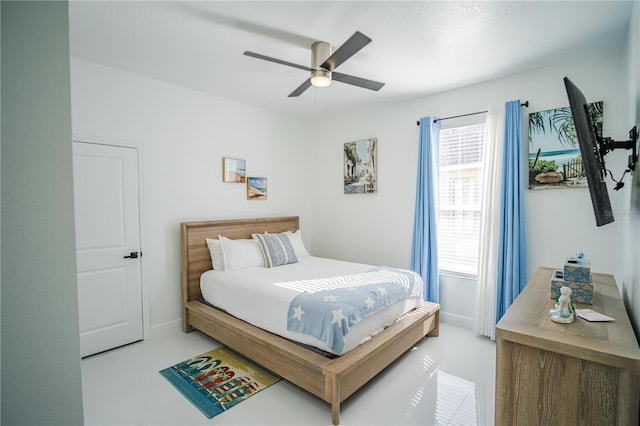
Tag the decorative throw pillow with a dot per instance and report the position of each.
(276, 248)
(240, 254)
(297, 243)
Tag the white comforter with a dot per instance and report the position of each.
(252, 295)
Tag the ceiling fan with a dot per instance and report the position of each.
(324, 62)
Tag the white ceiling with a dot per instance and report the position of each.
(418, 47)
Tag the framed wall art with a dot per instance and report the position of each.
(234, 170)
(360, 166)
(554, 153)
(256, 188)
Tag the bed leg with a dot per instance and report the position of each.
(332, 384)
(335, 414)
(186, 327)
(436, 327)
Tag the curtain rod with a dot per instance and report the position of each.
(524, 104)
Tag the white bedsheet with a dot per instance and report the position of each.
(250, 294)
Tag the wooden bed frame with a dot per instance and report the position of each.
(332, 380)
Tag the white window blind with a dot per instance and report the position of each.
(460, 198)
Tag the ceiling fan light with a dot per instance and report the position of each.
(320, 78)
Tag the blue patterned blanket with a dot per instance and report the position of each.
(329, 307)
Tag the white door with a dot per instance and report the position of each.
(107, 246)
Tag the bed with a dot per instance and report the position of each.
(332, 379)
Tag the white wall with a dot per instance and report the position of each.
(41, 380)
(182, 136)
(377, 228)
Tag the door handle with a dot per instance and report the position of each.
(133, 255)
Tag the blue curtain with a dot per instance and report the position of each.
(512, 259)
(424, 249)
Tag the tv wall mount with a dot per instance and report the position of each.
(606, 145)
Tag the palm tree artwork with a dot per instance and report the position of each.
(554, 153)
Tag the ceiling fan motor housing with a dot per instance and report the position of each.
(320, 51)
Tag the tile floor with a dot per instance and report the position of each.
(446, 380)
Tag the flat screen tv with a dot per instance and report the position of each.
(592, 159)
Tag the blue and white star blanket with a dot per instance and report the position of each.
(328, 307)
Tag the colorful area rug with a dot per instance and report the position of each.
(217, 380)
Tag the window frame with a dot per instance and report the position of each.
(453, 124)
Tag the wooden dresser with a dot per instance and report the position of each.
(566, 374)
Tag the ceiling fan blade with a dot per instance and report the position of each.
(277, 61)
(347, 50)
(304, 86)
(357, 81)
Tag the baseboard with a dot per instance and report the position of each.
(165, 329)
(457, 320)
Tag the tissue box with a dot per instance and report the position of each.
(578, 271)
(580, 292)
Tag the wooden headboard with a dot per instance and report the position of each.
(195, 254)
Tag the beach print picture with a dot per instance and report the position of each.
(234, 170)
(554, 152)
(360, 160)
(257, 188)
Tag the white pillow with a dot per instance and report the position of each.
(217, 257)
(240, 254)
(297, 243)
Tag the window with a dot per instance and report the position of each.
(460, 198)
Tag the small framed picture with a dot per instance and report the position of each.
(360, 167)
(234, 170)
(257, 188)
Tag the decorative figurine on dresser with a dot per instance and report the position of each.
(565, 310)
